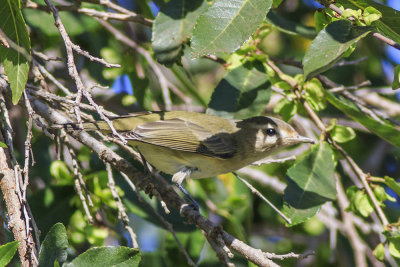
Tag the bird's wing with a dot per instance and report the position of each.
(183, 135)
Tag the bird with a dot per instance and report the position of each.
(198, 145)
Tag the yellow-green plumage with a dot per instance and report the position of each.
(200, 145)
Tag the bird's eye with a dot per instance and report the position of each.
(270, 131)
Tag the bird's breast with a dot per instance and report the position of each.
(171, 161)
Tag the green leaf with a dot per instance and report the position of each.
(242, 93)
(311, 182)
(394, 248)
(107, 256)
(54, 247)
(379, 252)
(315, 94)
(226, 25)
(7, 252)
(16, 64)
(388, 24)
(359, 201)
(3, 145)
(384, 129)
(381, 194)
(321, 19)
(363, 204)
(396, 78)
(371, 14)
(342, 134)
(173, 26)
(286, 109)
(60, 170)
(330, 44)
(392, 184)
(290, 27)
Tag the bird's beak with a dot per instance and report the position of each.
(301, 139)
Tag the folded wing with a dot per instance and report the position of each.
(183, 135)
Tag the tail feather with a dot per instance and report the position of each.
(87, 126)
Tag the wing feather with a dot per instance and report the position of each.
(182, 135)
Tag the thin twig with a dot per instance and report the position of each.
(121, 209)
(361, 175)
(290, 255)
(161, 218)
(73, 72)
(256, 192)
(29, 153)
(156, 68)
(131, 16)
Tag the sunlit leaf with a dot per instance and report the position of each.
(383, 129)
(16, 64)
(342, 134)
(7, 252)
(379, 252)
(392, 184)
(330, 45)
(226, 25)
(173, 26)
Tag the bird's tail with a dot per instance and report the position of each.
(87, 126)
(120, 123)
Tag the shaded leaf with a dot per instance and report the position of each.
(242, 93)
(311, 182)
(290, 27)
(54, 247)
(107, 256)
(226, 25)
(173, 26)
(16, 64)
(330, 45)
(75, 24)
(51, 205)
(385, 129)
(7, 252)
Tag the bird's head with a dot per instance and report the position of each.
(272, 133)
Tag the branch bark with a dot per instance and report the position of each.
(14, 209)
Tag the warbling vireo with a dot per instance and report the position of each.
(196, 145)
